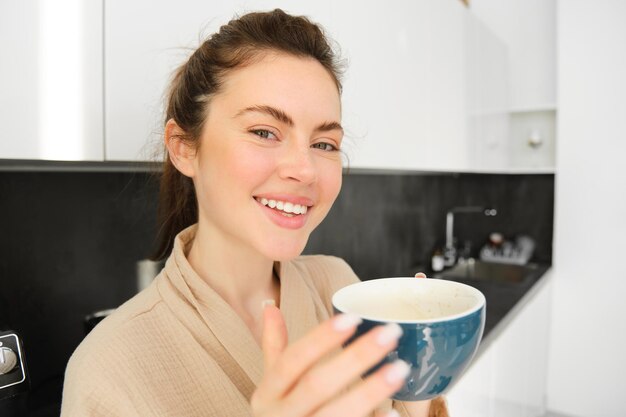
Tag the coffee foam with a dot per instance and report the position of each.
(407, 300)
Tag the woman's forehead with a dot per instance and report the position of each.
(292, 84)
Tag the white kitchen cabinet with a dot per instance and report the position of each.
(472, 396)
(93, 88)
(522, 358)
(145, 41)
(404, 89)
(51, 80)
(528, 28)
(509, 377)
(488, 98)
(429, 92)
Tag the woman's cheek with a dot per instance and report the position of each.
(252, 165)
(331, 180)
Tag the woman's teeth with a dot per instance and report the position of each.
(283, 206)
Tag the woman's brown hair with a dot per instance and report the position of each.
(236, 44)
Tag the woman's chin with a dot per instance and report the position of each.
(285, 250)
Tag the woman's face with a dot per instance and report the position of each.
(268, 168)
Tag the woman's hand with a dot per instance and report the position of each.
(300, 380)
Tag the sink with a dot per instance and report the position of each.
(475, 270)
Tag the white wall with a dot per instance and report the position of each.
(587, 363)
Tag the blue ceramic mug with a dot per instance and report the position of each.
(442, 323)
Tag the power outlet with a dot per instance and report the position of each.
(13, 373)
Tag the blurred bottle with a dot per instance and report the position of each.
(437, 261)
(147, 270)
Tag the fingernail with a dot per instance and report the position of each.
(398, 371)
(268, 302)
(392, 413)
(389, 333)
(346, 321)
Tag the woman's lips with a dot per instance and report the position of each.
(284, 213)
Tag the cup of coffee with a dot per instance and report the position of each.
(442, 323)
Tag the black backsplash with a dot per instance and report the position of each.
(389, 225)
(69, 242)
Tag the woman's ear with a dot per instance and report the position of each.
(180, 151)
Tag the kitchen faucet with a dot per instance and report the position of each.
(449, 253)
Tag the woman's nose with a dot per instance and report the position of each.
(297, 164)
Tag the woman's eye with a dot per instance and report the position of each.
(264, 133)
(324, 146)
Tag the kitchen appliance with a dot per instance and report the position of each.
(14, 380)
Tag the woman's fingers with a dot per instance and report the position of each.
(274, 339)
(366, 396)
(322, 383)
(297, 382)
(282, 374)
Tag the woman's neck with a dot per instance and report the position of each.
(240, 275)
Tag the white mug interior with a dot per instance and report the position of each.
(408, 300)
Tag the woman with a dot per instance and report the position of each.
(237, 323)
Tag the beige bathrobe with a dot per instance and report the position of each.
(178, 349)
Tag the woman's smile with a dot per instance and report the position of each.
(289, 212)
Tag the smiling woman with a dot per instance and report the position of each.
(263, 129)
(238, 323)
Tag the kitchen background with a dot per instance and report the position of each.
(469, 114)
(74, 239)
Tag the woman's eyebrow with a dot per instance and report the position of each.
(272, 111)
(282, 116)
(327, 126)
